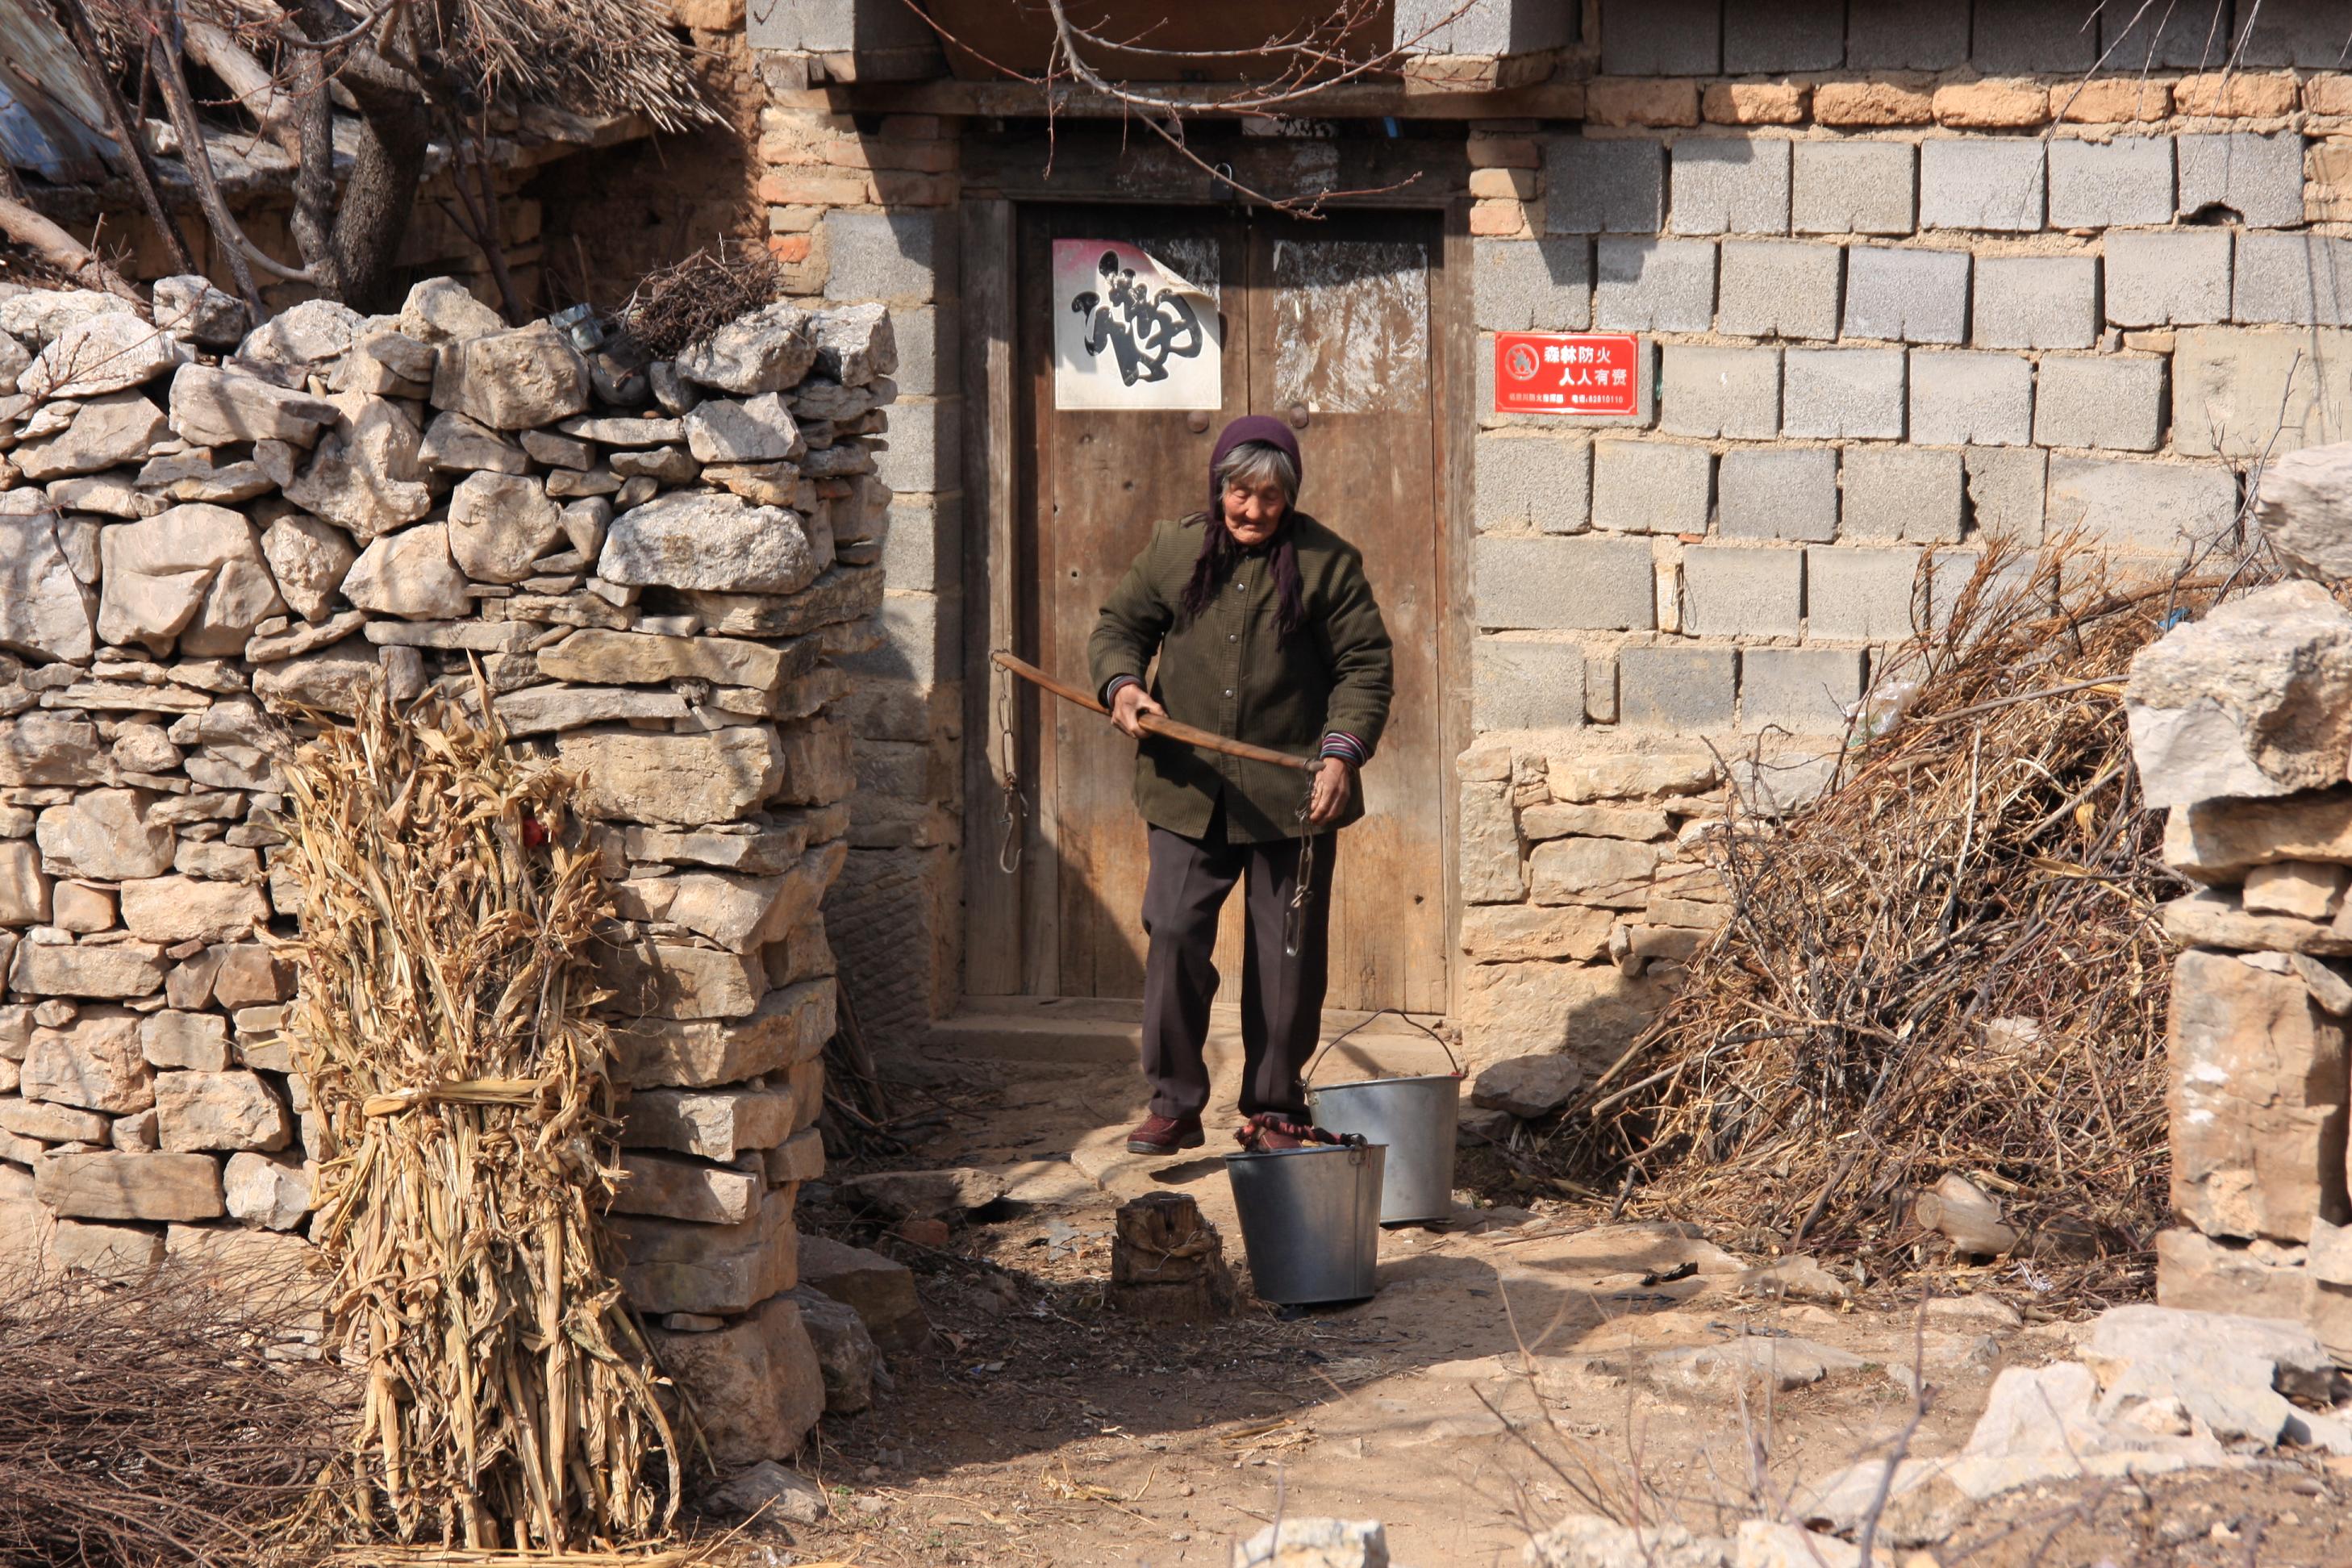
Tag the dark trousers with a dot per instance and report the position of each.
(1281, 996)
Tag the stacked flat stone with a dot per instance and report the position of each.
(647, 572)
(2242, 725)
(1586, 886)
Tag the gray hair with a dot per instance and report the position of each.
(1254, 462)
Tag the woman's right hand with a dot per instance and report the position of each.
(1128, 706)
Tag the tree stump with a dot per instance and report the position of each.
(1167, 1263)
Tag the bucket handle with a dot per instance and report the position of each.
(1307, 1078)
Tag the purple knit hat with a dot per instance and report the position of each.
(1253, 427)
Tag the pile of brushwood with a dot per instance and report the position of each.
(162, 1420)
(673, 306)
(450, 912)
(1950, 963)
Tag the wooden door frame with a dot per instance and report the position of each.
(989, 245)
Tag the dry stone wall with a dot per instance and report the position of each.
(650, 572)
(2241, 726)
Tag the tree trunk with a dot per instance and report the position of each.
(377, 202)
(1167, 1263)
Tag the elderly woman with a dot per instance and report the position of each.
(1265, 631)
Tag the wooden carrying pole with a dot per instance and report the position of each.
(1153, 724)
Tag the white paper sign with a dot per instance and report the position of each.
(1130, 334)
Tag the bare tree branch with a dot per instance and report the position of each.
(1301, 67)
(43, 236)
(144, 178)
(242, 254)
(248, 81)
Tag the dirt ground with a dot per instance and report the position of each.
(1503, 1376)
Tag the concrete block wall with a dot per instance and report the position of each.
(1911, 282)
(864, 208)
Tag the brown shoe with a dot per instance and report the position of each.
(1165, 1135)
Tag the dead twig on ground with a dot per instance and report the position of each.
(163, 1420)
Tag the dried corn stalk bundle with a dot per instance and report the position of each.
(444, 1025)
(1949, 962)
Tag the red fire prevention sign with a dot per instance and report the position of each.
(1567, 372)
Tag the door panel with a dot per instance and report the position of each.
(1327, 321)
(1350, 321)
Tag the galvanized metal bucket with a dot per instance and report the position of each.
(1416, 1119)
(1310, 1220)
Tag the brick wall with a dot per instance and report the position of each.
(1898, 301)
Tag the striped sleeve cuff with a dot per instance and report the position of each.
(1347, 748)
(1111, 687)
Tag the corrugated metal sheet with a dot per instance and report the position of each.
(52, 121)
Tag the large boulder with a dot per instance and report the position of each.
(2258, 1100)
(756, 430)
(36, 316)
(756, 1385)
(106, 836)
(366, 474)
(215, 405)
(219, 1110)
(855, 344)
(630, 776)
(121, 427)
(2305, 507)
(44, 749)
(412, 574)
(948, 1195)
(1589, 1011)
(309, 558)
(194, 576)
(306, 335)
(100, 355)
(718, 543)
(880, 1289)
(512, 380)
(844, 1351)
(440, 308)
(95, 1063)
(500, 524)
(1527, 1086)
(676, 1266)
(1315, 1542)
(767, 350)
(2253, 701)
(45, 610)
(188, 306)
(268, 1192)
(130, 1186)
(172, 909)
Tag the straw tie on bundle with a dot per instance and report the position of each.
(469, 1144)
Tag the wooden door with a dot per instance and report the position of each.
(1327, 325)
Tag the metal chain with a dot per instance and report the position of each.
(1302, 894)
(1014, 842)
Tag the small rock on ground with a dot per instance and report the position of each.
(771, 1491)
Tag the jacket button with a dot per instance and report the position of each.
(1229, 692)
(1233, 637)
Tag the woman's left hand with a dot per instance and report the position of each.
(1335, 782)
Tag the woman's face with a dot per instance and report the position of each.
(1253, 511)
